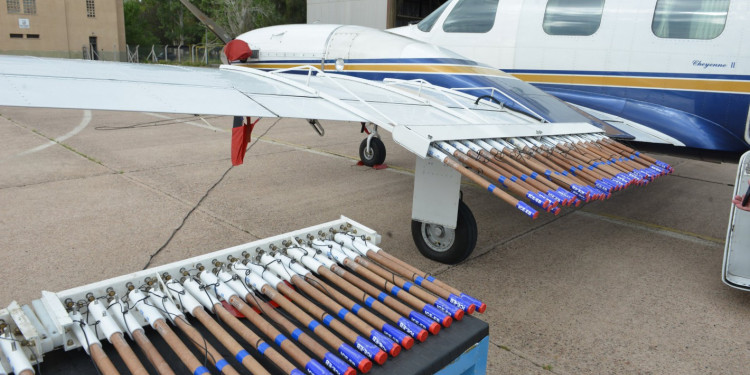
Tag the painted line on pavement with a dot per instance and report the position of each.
(82, 125)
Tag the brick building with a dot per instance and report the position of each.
(92, 29)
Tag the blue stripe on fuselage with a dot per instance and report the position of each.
(699, 119)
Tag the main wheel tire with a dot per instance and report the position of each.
(375, 155)
(446, 245)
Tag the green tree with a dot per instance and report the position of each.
(138, 29)
(169, 22)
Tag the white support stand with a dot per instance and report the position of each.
(437, 189)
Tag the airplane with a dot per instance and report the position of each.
(664, 71)
(437, 104)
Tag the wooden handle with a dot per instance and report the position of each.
(280, 320)
(302, 316)
(200, 342)
(332, 306)
(151, 353)
(102, 361)
(174, 342)
(253, 339)
(227, 340)
(399, 281)
(316, 311)
(413, 301)
(369, 288)
(126, 353)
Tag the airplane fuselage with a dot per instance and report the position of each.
(678, 70)
(377, 55)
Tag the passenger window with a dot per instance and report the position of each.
(471, 16)
(428, 22)
(689, 19)
(572, 17)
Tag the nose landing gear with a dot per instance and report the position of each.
(372, 149)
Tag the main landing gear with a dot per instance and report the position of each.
(437, 205)
(446, 245)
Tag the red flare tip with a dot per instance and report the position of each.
(395, 350)
(536, 215)
(350, 371)
(470, 310)
(422, 335)
(434, 328)
(578, 203)
(458, 315)
(447, 322)
(545, 204)
(556, 211)
(408, 342)
(482, 308)
(365, 366)
(380, 357)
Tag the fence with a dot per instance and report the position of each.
(194, 54)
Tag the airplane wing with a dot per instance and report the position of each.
(302, 92)
(83, 84)
(449, 130)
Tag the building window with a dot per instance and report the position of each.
(471, 16)
(14, 6)
(689, 19)
(32, 36)
(572, 17)
(90, 10)
(15, 36)
(29, 6)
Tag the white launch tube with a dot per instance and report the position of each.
(83, 332)
(150, 313)
(186, 300)
(125, 319)
(15, 355)
(164, 303)
(204, 297)
(222, 290)
(106, 323)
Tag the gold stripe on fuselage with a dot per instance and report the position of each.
(399, 68)
(717, 85)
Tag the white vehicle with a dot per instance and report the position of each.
(736, 265)
(664, 71)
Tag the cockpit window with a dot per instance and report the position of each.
(572, 17)
(428, 22)
(471, 16)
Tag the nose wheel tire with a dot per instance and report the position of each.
(375, 155)
(443, 244)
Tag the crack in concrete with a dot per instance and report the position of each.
(527, 358)
(701, 180)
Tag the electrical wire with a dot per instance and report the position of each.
(184, 219)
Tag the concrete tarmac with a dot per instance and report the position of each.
(631, 285)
